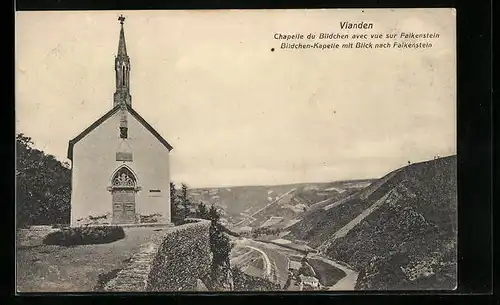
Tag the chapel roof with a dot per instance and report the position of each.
(106, 116)
(120, 100)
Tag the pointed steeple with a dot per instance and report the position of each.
(122, 47)
(122, 71)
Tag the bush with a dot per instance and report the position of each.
(85, 235)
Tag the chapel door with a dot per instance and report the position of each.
(123, 206)
(123, 192)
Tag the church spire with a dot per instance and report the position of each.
(122, 47)
(122, 71)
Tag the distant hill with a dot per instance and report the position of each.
(256, 205)
(399, 233)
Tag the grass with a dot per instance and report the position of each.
(53, 268)
(327, 274)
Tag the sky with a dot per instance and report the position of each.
(236, 112)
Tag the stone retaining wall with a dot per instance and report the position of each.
(174, 259)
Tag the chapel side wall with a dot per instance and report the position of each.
(94, 161)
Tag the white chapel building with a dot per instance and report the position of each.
(120, 164)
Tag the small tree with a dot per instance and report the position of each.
(175, 207)
(202, 211)
(213, 215)
(221, 249)
(185, 202)
(288, 280)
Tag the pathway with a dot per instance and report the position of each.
(351, 224)
(50, 268)
(267, 262)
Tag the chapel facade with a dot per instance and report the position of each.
(120, 163)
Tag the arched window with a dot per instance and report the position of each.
(124, 178)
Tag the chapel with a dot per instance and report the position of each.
(120, 170)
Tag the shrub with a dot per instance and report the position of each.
(85, 235)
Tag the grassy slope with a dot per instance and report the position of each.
(416, 233)
(318, 226)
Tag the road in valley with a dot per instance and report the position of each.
(275, 262)
(346, 283)
(276, 259)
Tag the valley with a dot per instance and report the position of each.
(396, 232)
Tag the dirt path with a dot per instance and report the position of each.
(348, 227)
(277, 261)
(267, 262)
(44, 268)
(351, 224)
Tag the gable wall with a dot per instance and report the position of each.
(94, 161)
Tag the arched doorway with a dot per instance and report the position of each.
(123, 189)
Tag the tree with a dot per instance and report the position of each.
(221, 249)
(288, 280)
(43, 186)
(173, 194)
(202, 211)
(184, 201)
(175, 210)
(213, 214)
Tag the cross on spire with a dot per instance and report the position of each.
(122, 19)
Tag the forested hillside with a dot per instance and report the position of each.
(43, 186)
(411, 240)
(399, 232)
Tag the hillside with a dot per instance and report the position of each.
(318, 226)
(256, 205)
(399, 233)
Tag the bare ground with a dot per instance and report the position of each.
(49, 268)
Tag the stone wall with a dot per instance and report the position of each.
(174, 259)
(182, 259)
